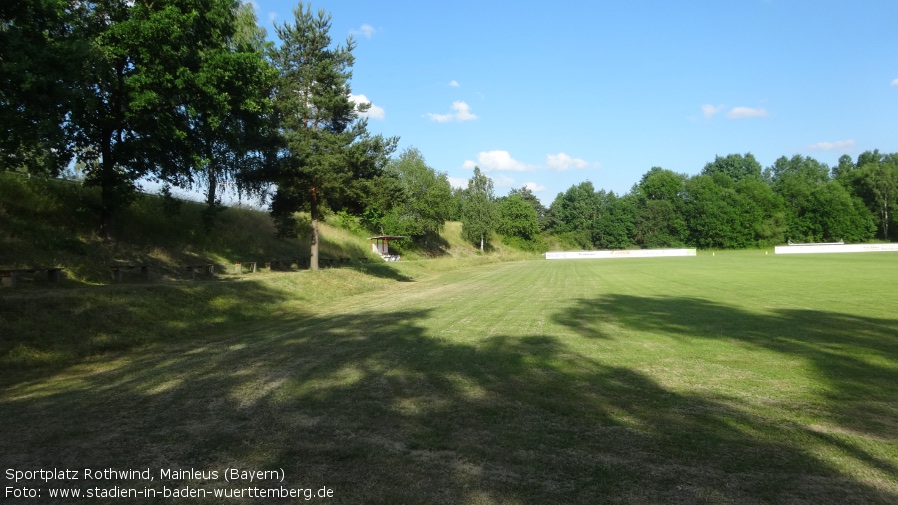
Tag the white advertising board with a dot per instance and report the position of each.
(834, 248)
(624, 253)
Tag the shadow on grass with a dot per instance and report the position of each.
(382, 270)
(856, 357)
(45, 330)
(374, 407)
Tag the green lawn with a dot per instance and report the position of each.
(733, 378)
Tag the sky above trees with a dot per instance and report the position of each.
(550, 96)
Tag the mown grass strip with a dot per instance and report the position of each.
(737, 378)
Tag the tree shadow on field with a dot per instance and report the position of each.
(853, 359)
(381, 409)
(383, 270)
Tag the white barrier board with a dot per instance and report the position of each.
(834, 248)
(624, 253)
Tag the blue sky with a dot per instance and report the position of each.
(554, 95)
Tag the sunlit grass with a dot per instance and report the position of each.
(732, 378)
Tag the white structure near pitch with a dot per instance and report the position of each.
(834, 248)
(623, 253)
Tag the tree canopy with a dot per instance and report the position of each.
(326, 153)
(479, 215)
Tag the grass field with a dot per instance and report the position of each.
(733, 378)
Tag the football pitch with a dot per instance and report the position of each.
(734, 378)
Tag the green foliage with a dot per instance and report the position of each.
(876, 182)
(517, 218)
(572, 214)
(817, 208)
(478, 210)
(328, 155)
(413, 199)
(538, 207)
(348, 222)
(50, 222)
(735, 166)
(615, 227)
(660, 220)
(39, 55)
(724, 215)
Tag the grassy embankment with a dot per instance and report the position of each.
(54, 223)
(734, 378)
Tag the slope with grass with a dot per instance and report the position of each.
(48, 222)
(735, 378)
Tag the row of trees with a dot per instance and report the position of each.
(190, 94)
(733, 203)
(187, 93)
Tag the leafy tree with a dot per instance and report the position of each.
(817, 208)
(795, 180)
(328, 157)
(38, 61)
(843, 171)
(228, 110)
(713, 214)
(877, 182)
(573, 213)
(763, 215)
(479, 215)
(517, 218)
(534, 202)
(837, 215)
(736, 166)
(421, 200)
(129, 118)
(614, 229)
(722, 214)
(659, 220)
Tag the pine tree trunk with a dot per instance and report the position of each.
(313, 260)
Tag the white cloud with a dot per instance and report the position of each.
(562, 161)
(745, 112)
(895, 82)
(462, 113)
(497, 160)
(272, 16)
(503, 181)
(454, 84)
(374, 112)
(458, 182)
(536, 188)
(709, 110)
(839, 145)
(365, 30)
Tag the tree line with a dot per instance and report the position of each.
(731, 204)
(190, 94)
(187, 93)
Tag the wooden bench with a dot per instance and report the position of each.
(118, 270)
(13, 274)
(208, 269)
(250, 265)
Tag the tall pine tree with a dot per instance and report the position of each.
(327, 153)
